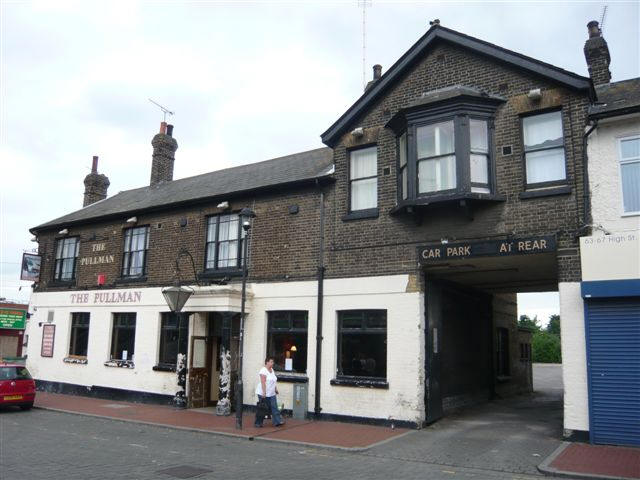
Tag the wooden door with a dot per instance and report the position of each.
(199, 372)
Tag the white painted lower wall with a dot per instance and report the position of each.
(403, 400)
(574, 357)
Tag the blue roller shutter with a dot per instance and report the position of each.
(613, 358)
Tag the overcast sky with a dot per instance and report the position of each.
(248, 81)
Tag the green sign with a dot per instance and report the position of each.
(12, 319)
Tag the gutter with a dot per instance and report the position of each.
(317, 409)
(184, 203)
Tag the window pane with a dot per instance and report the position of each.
(542, 131)
(299, 320)
(351, 319)
(479, 169)
(437, 174)
(211, 255)
(281, 347)
(363, 354)
(279, 320)
(479, 136)
(402, 144)
(377, 319)
(211, 229)
(437, 139)
(59, 249)
(545, 165)
(67, 269)
(127, 240)
(172, 339)
(364, 194)
(363, 163)
(405, 183)
(228, 254)
(630, 148)
(631, 186)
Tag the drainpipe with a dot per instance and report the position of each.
(585, 176)
(317, 408)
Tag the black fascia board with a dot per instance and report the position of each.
(614, 113)
(326, 179)
(569, 79)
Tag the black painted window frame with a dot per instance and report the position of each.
(122, 322)
(553, 183)
(167, 328)
(365, 329)
(127, 253)
(240, 238)
(59, 262)
(291, 329)
(80, 323)
(461, 117)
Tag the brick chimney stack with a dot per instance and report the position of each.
(596, 51)
(95, 185)
(164, 150)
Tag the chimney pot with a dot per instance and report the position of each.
(594, 29)
(163, 128)
(94, 165)
(377, 71)
(170, 130)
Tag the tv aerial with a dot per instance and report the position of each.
(164, 109)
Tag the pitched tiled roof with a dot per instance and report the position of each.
(616, 98)
(440, 33)
(290, 169)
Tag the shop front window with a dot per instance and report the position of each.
(362, 343)
(287, 340)
(79, 340)
(173, 338)
(123, 336)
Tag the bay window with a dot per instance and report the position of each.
(445, 148)
(544, 149)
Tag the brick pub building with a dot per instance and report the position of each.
(383, 268)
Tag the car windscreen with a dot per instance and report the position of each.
(14, 373)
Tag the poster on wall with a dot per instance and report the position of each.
(30, 267)
(48, 337)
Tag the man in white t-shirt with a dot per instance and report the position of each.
(267, 390)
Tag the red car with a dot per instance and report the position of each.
(16, 386)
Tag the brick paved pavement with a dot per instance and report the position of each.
(44, 444)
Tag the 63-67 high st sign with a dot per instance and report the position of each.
(499, 248)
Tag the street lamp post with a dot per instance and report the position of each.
(246, 215)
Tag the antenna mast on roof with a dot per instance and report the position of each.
(602, 17)
(164, 110)
(364, 4)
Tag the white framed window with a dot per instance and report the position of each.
(363, 179)
(435, 145)
(629, 155)
(544, 148)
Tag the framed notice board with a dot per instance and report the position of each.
(48, 338)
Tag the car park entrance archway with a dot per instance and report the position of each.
(474, 348)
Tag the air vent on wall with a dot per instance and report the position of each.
(506, 150)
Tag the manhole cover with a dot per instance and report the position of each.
(115, 405)
(184, 471)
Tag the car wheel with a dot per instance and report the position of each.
(27, 406)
